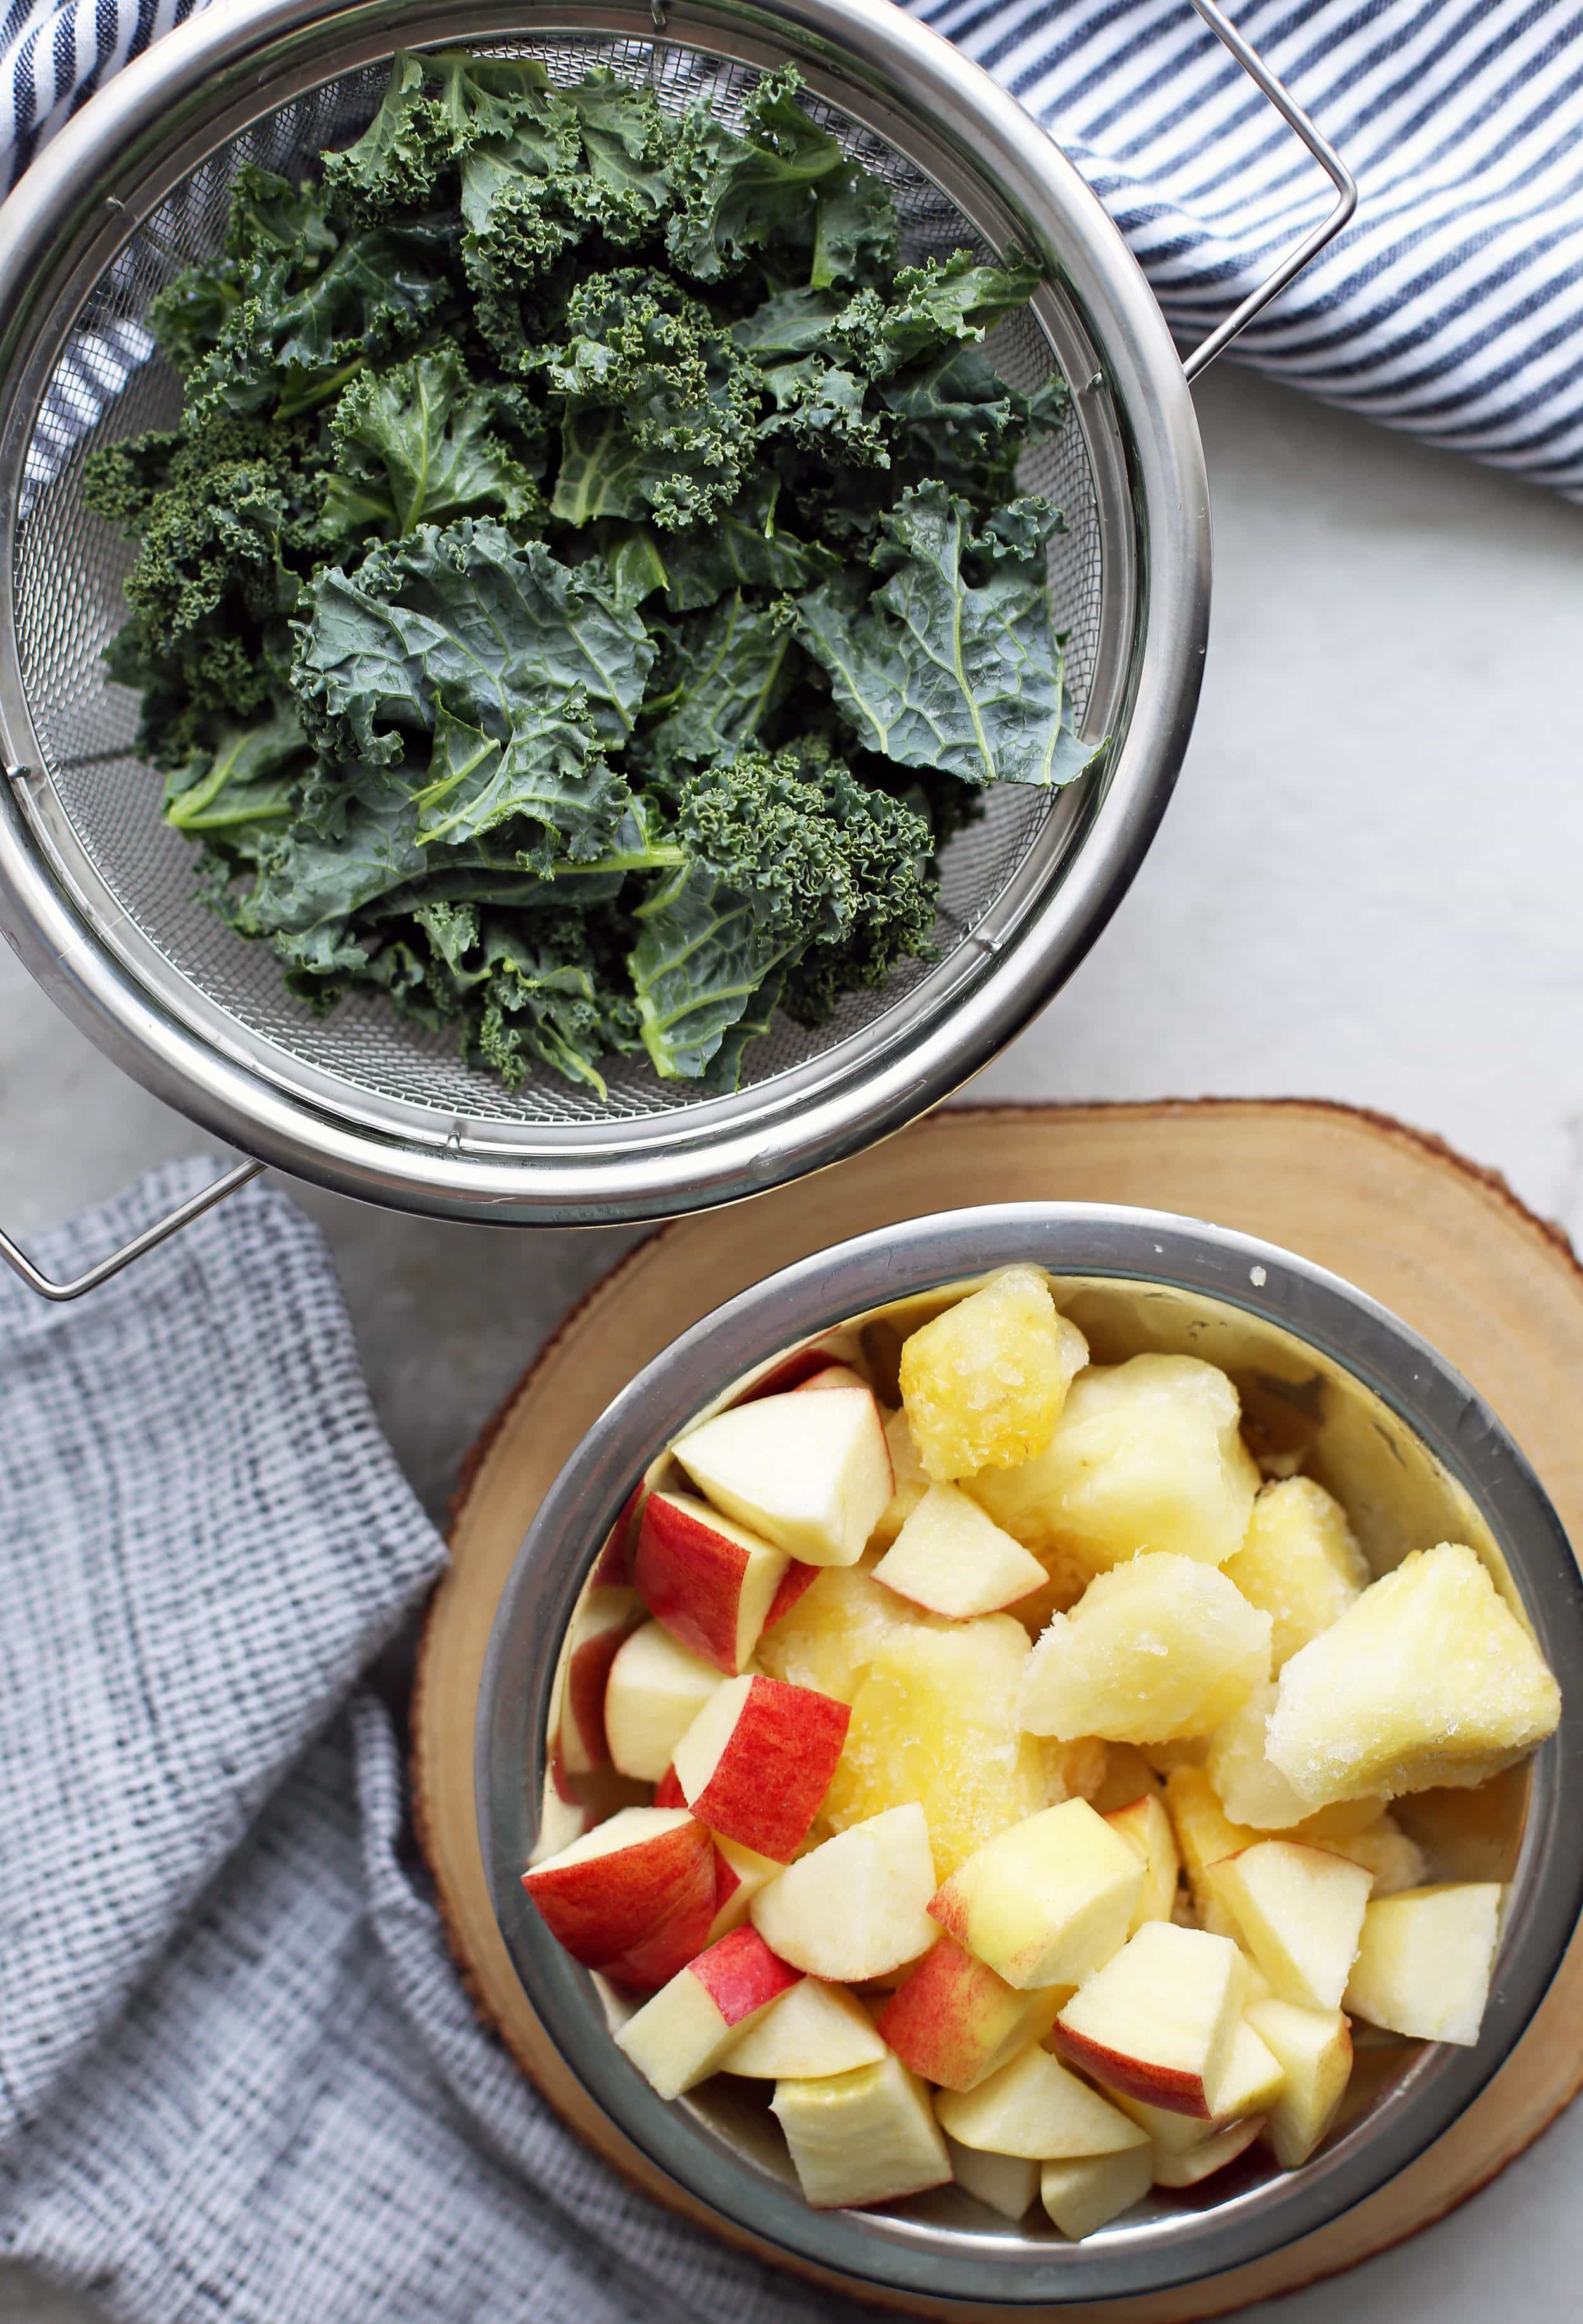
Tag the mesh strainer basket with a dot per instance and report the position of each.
(98, 895)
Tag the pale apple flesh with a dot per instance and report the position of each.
(1083, 2196)
(867, 2136)
(1314, 2048)
(758, 1760)
(1159, 2021)
(1144, 1823)
(682, 2035)
(1425, 1960)
(816, 2030)
(854, 1907)
(1032, 2107)
(1006, 2184)
(1048, 1902)
(739, 1874)
(1299, 1911)
(1202, 2161)
(655, 1690)
(809, 1473)
(951, 1559)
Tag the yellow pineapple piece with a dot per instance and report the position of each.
(910, 1485)
(934, 1720)
(836, 1628)
(1161, 1647)
(1429, 1678)
(1146, 1455)
(982, 1385)
(1300, 1561)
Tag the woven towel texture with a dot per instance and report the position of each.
(239, 2077)
(1452, 307)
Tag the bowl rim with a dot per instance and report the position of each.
(888, 2250)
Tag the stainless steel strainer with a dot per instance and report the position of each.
(97, 896)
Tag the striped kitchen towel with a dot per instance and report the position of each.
(1453, 305)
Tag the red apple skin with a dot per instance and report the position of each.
(832, 1376)
(634, 1905)
(796, 1579)
(1170, 2088)
(690, 1578)
(769, 1780)
(740, 1974)
(950, 2016)
(669, 1793)
(587, 1673)
(791, 1372)
(614, 1569)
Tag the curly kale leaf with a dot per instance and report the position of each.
(779, 194)
(780, 866)
(737, 665)
(416, 445)
(660, 408)
(744, 547)
(249, 780)
(942, 669)
(435, 110)
(466, 618)
(546, 772)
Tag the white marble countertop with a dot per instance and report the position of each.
(1368, 889)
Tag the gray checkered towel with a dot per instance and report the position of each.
(238, 2078)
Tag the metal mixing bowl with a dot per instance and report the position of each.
(1417, 1457)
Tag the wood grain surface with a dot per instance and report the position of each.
(1445, 1246)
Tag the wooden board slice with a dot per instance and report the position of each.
(1448, 1247)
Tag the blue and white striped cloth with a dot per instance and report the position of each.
(1453, 305)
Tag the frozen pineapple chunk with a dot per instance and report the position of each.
(982, 1385)
(1427, 1678)
(934, 1720)
(1300, 1561)
(834, 1631)
(1146, 1455)
(1204, 1834)
(1251, 1787)
(1162, 1647)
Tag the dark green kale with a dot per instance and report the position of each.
(589, 585)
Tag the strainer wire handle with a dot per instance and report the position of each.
(174, 1220)
(1324, 153)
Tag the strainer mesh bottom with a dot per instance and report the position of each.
(111, 384)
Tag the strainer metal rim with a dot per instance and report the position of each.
(76, 205)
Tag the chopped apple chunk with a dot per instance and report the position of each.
(854, 1907)
(1314, 2048)
(682, 2035)
(1006, 2184)
(867, 2136)
(756, 1761)
(1425, 1959)
(809, 1473)
(1146, 1823)
(1299, 1561)
(935, 1721)
(908, 1483)
(1048, 1902)
(1391, 1859)
(1032, 2107)
(813, 2029)
(1203, 2161)
(655, 1690)
(1083, 2196)
(1159, 2021)
(1429, 1678)
(1204, 1834)
(1300, 1912)
(984, 1383)
(955, 2022)
(1146, 1455)
(1162, 1647)
(955, 1560)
